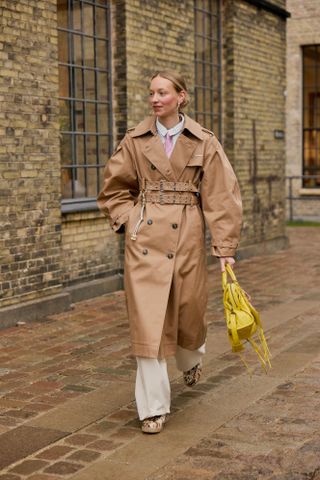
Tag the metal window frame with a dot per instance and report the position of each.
(308, 172)
(215, 117)
(86, 203)
(271, 8)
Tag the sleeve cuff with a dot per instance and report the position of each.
(118, 223)
(219, 251)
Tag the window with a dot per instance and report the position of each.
(311, 115)
(208, 63)
(85, 98)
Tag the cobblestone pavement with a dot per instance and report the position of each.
(67, 406)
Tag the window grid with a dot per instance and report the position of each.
(208, 98)
(311, 115)
(86, 110)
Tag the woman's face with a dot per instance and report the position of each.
(164, 98)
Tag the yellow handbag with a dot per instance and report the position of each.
(243, 320)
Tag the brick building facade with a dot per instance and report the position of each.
(74, 76)
(303, 108)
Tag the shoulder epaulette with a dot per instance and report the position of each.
(208, 131)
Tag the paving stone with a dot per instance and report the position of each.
(191, 394)
(135, 423)
(71, 372)
(20, 414)
(84, 456)
(3, 429)
(43, 476)
(24, 440)
(38, 407)
(44, 386)
(104, 445)
(204, 387)
(233, 370)
(123, 434)
(29, 466)
(122, 415)
(180, 402)
(9, 421)
(63, 468)
(77, 388)
(57, 397)
(80, 439)
(102, 427)
(5, 402)
(20, 395)
(219, 379)
(9, 476)
(55, 452)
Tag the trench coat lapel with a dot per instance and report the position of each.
(182, 153)
(156, 154)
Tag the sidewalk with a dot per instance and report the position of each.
(67, 389)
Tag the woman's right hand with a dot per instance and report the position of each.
(224, 260)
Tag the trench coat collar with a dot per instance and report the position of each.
(182, 153)
(185, 145)
(149, 125)
(155, 153)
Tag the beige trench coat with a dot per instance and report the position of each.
(165, 267)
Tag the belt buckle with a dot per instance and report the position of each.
(161, 193)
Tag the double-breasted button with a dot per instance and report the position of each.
(170, 255)
(153, 167)
(145, 251)
(149, 221)
(174, 226)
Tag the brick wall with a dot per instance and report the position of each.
(254, 106)
(158, 37)
(90, 249)
(302, 29)
(30, 240)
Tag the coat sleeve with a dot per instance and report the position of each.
(221, 201)
(121, 187)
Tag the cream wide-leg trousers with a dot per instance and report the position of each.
(153, 394)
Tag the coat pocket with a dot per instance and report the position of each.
(134, 216)
(195, 161)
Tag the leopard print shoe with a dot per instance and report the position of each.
(192, 376)
(154, 424)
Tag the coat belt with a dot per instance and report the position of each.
(164, 186)
(172, 198)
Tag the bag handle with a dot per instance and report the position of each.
(228, 271)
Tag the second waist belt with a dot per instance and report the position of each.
(165, 193)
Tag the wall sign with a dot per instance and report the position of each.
(278, 134)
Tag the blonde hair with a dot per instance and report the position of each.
(178, 82)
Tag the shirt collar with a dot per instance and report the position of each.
(149, 125)
(172, 131)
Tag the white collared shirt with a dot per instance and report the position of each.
(174, 132)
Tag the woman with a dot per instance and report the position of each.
(166, 178)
